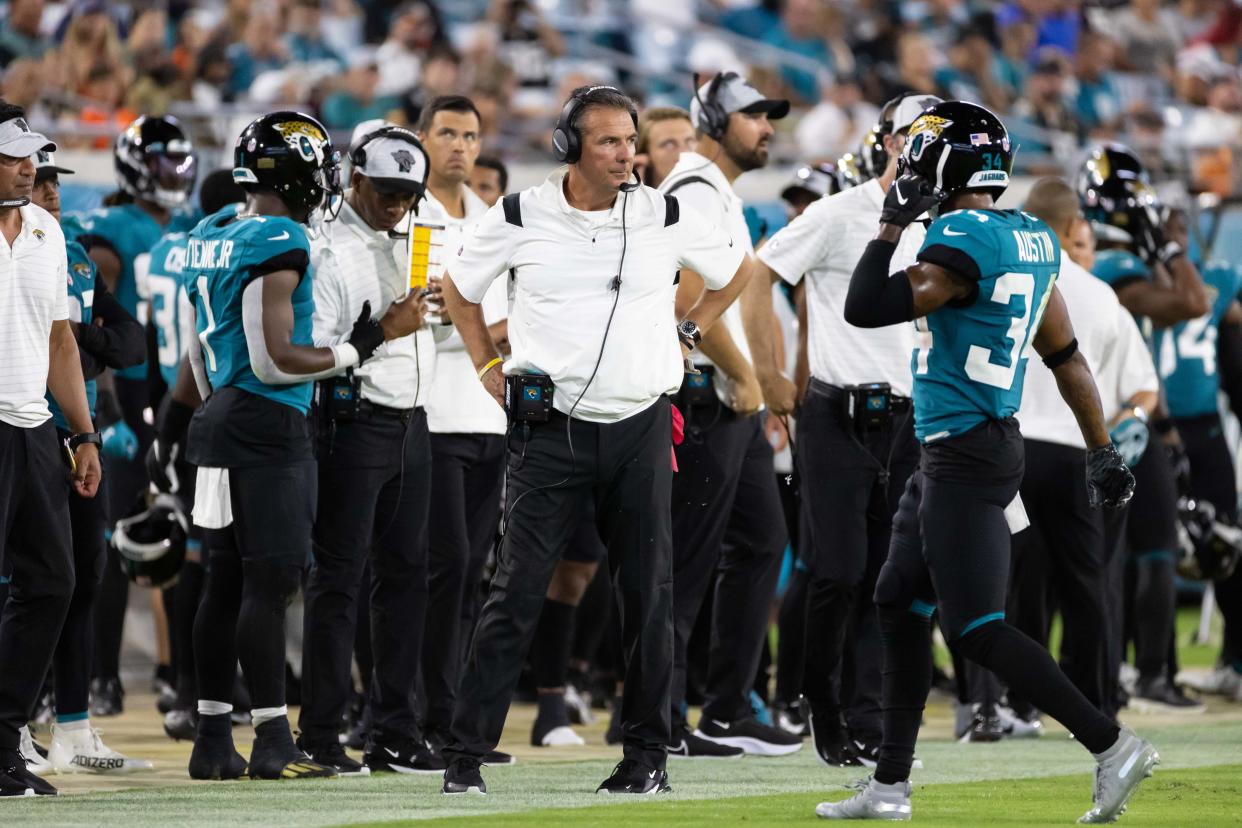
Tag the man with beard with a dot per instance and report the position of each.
(727, 515)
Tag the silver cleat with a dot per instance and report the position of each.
(873, 801)
(1117, 776)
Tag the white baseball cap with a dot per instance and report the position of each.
(910, 108)
(393, 159)
(17, 140)
(45, 166)
(734, 94)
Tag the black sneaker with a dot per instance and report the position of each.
(687, 745)
(1158, 694)
(751, 736)
(831, 738)
(107, 697)
(437, 741)
(17, 780)
(275, 756)
(629, 777)
(462, 777)
(214, 756)
(985, 726)
(180, 724)
(791, 719)
(403, 756)
(165, 694)
(498, 757)
(333, 755)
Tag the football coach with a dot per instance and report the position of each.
(592, 260)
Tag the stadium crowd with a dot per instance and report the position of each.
(353, 366)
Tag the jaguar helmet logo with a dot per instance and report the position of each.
(924, 130)
(304, 138)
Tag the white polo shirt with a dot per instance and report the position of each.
(34, 279)
(824, 244)
(715, 201)
(458, 403)
(563, 262)
(353, 263)
(1114, 349)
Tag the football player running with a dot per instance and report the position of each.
(984, 289)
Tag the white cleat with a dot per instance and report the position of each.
(1119, 772)
(873, 801)
(1016, 727)
(83, 750)
(34, 760)
(563, 736)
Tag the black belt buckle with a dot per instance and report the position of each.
(869, 407)
(528, 397)
(698, 389)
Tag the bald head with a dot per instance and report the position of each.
(1056, 203)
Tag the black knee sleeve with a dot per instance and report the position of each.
(906, 683)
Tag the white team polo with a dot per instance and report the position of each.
(34, 293)
(1113, 347)
(353, 263)
(562, 262)
(459, 404)
(824, 244)
(719, 204)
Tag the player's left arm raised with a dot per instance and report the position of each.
(1109, 482)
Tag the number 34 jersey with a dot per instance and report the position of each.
(971, 361)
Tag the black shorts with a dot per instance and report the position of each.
(1211, 463)
(274, 511)
(951, 542)
(1151, 525)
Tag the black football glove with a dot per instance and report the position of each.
(1181, 467)
(367, 334)
(1152, 244)
(909, 197)
(1109, 482)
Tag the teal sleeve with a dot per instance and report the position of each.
(1116, 267)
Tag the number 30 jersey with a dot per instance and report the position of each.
(1186, 352)
(971, 363)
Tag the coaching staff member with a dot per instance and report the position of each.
(37, 354)
(593, 263)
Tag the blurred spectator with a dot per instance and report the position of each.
(260, 50)
(414, 29)
(800, 29)
(1017, 43)
(489, 179)
(1195, 17)
(342, 26)
(916, 65)
(1220, 121)
(1149, 37)
(1056, 22)
(20, 36)
(1098, 102)
(210, 84)
(527, 43)
(158, 84)
(1047, 128)
(837, 124)
(304, 39)
(24, 83)
(972, 73)
(442, 75)
(938, 20)
(104, 92)
(666, 133)
(91, 40)
(752, 19)
(356, 96)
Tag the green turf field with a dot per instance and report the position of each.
(1044, 781)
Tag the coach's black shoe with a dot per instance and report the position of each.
(686, 745)
(831, 737)
(16, 779)
(1158, 694)
(750, 735)
(332, 754)
(498, 757)
(275, 756)
(403, 756)
(214, 756)
(985, 725)
(180, 725)
(462, 776)
(107, 697)
(437, 741)
(791, 719)
(629, 777)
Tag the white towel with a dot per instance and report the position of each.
(1015, 515)
(213, 507)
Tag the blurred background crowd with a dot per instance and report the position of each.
(1161, 76)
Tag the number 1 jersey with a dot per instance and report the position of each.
(972, 363)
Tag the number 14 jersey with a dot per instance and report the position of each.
(971, 363)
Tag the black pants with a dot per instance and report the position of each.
(728, 532)
(467, 472)
(850, 491)
(374, 490)
(625, 468)
(1059, 564)
(73, 659)
(36, 555)
(1151, 528)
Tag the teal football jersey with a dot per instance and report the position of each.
(81, 300)
(129, 231)
(971, 363)
(224, 254)
(1186, 352)
(163, 266)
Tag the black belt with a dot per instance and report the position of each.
(836, 394)
(366, 408)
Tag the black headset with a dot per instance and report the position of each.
(713, 119)
(566, 139)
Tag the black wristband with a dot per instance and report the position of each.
(92, 437)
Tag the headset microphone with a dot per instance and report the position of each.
(631, 186)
